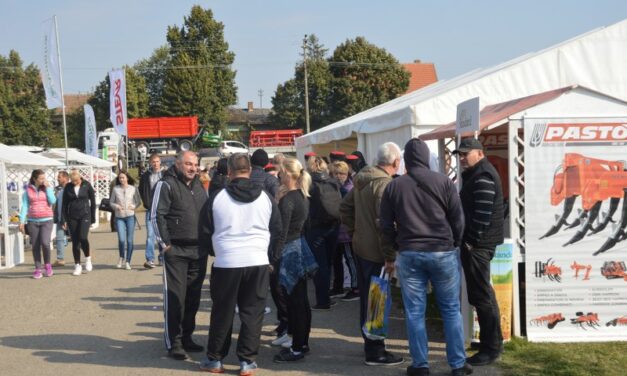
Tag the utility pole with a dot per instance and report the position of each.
(260, 93)
(306, 85)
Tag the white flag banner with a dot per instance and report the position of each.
(91, 137)
(117, 100)
(50, 73)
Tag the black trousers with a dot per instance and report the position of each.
(280, 300)
(247, 288)
(299, 313)
(476, 264)
(365, 270)
(184, 271)
(79, 229)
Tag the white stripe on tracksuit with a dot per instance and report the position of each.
(153, 221)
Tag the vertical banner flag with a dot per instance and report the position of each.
(50, 73)
(91, 137)
(117, 100)
(575, 232)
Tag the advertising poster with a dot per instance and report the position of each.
(575, 222)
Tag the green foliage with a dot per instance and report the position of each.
(153, 70)
(364, 76)
(24, 118)
(525, 358)
(199, 79)
(137, 99)
(358, 76)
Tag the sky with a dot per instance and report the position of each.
(266, 36)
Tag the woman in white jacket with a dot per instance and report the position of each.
(124, 199)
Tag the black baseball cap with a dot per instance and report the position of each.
(468, 144)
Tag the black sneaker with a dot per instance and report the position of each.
(336, 293)
(288, 355)
(465, 370)
(323, 307)
(417, 371)
(190, 346)
(177, 353)
(482, 359)
(350, 296)
(387, 359)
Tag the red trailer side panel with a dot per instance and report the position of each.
(165, 127)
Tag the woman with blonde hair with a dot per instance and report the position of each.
(79, 213)
(295, 262)
(323, 228)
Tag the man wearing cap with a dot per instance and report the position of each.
(482, 200)
(309, 155)
(337, 156)
(261, 178)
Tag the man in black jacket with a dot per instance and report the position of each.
(482, 199)
(176, 205)
(147, 183)
(258, 176)
(239, 225)
(421, 216)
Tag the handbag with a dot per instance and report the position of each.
(105, 205)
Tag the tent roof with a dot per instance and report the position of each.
(16, 156)
(595, 59)
(77, 157)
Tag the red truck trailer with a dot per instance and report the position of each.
(274, 141)
(163, 134)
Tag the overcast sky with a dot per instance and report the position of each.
(266, 36)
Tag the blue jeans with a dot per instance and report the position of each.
(415, 269)
(150, 239)
(126, 230)
(322, 242)
(60, 242)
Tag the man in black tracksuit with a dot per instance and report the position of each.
(176, 205)
(482, 199)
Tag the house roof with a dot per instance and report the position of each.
(243, 116)
(422, 74)
(73, 102)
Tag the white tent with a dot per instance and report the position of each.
(16, 166)
(597, 60)
(77, 157)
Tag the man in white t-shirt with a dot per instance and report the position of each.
(239, 225)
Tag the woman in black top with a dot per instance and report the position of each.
(296, 261)
(79, 213)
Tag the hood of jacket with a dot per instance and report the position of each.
(416, 156)
(367, 175)
(243, 190)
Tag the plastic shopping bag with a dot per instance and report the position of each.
(379, 302)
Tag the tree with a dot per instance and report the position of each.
(153, 70)
(137, 99)
(364, 76)
(24, 118)
(199, 79)
(288, 103)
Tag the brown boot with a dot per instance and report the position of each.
(59, 263)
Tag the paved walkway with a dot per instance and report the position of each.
(109, 322)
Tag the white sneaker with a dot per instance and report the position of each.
(281, 340)
(127, 266)
(88, 266)
(120, 263)
(267, 310)
(78, 270)
(287, 344)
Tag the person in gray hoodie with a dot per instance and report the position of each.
(125, 199)
(422, 218)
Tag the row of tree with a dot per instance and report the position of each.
(192, 75)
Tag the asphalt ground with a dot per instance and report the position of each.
(110, 322)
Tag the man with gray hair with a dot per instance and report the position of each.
(175, 209)
(359, 211)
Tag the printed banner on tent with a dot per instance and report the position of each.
(91, 136)
(50, 73)
(576, 218)
(117, 100)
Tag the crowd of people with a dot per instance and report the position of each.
(272, 225)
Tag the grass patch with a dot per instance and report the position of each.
(573, 359)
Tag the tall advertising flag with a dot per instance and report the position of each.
(91, 137)
(50, 73)
(117, 101)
